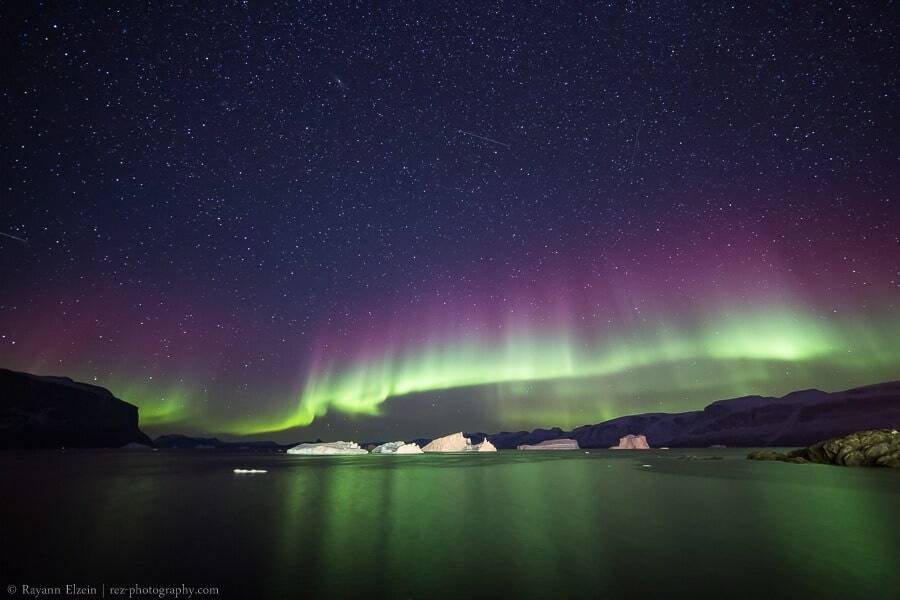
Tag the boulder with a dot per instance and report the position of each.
(561, 444)
(632, 442)
(767, 455)
(397, 448)
(875, 448)
(327, 448)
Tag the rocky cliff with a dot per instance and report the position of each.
(54, 412)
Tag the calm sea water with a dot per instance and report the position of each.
(512, 524)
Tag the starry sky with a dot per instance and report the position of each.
(389, 220)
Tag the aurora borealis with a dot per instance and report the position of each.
(325, 221)
(750, 349)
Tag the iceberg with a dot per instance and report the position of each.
(397, 448)
(455, 442)
(327, 449)
(132, 446)
(558, 444)
(484, 446)
(632, 442)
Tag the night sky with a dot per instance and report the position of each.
(393, 220)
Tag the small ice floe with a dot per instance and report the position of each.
(557, 444)
(250, 471)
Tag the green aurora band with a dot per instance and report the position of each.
(159, 404)
(741, 348)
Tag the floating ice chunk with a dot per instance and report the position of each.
(134, 446)
(327, 448)
(632, 442)
(557, 444)
(484, 446)
(397, 448)
(454, 442)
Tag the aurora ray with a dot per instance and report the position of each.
(739, 345)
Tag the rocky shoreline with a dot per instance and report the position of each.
(878, 448)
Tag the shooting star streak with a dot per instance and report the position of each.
(481, 137)
(636, 137)
(9, 235)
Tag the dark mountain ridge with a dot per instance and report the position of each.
(797, 419)
(184, 442)
(54, 412)
(50, 412)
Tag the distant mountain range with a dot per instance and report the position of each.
(184, 442)
(50, 412)
(797, 419)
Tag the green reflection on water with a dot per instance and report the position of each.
(508, 524)
(838, 531)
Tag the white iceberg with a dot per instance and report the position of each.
(456, 442)
(327, 449)
(484, 446)
(134, 446)
(558, 444)
(397, 448)
(632, 442)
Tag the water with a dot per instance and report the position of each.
(511, 524)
